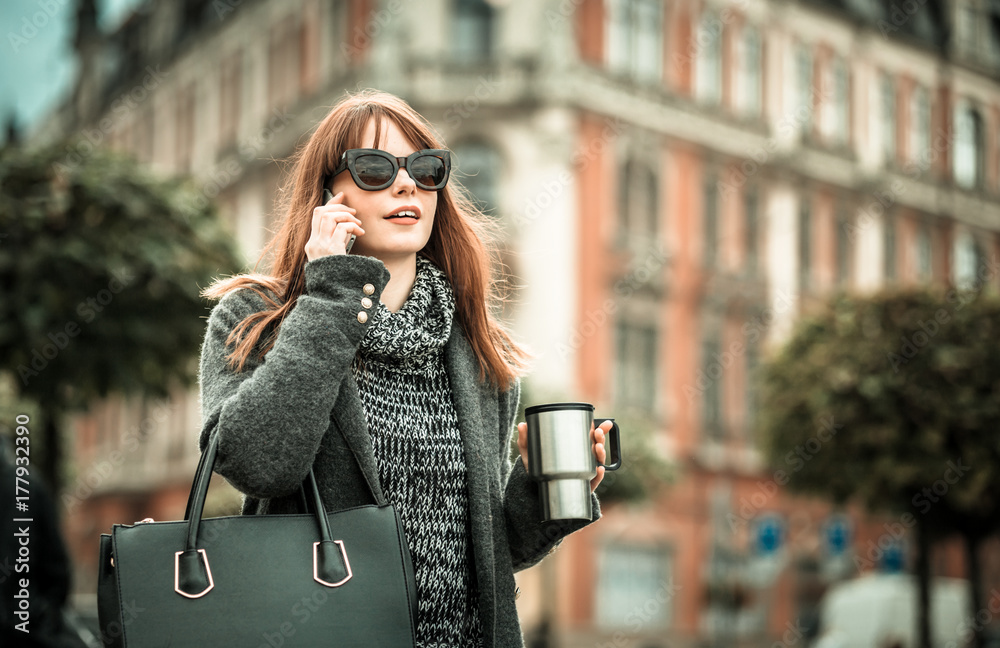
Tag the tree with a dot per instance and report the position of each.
(893, 399)
(100, 270)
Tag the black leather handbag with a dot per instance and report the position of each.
(297, 580)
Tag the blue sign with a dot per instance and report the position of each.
(837, 534)
(894, 557)
(770, 532)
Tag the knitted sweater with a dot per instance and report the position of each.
(300, 407)
(418, 449)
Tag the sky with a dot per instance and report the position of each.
(37, 67)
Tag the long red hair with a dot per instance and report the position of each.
(461, 242)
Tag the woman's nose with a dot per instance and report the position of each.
(403, 183)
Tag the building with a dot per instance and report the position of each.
(694, 173)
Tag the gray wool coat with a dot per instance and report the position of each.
(300, 408)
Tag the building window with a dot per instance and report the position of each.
(185, 128)
(142, 136)
(638, 202)
(993, 33)
(924, 255)
(649, 39)
(752, 360)
(841, 101)
(634, 577)
(710, 216)
(968, 260)
(472, 30)
(889, 247)
(968, 165)
(804, 86)
(843, 247)
(708, 61)
(309, 53)
(805, 244)
(635, 38)
(478, 166)
(635, 379)
(751, 214)
(887, 94)
(230, 99)
(751, 66)
(712, 370)
(979, 30)
(283, 65)
(920, 128)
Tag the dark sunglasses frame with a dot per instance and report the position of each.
(350, 156)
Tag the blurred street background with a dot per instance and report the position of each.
(680, 185)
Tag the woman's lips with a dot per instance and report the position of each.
(407, 215)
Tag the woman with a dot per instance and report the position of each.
(384, 369)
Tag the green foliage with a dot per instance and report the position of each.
(100, 270)
(906, 382)
(643, 470)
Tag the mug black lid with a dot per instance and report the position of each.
(557, 407)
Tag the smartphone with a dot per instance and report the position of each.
(327, 197)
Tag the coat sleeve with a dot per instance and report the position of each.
(530, 538)
(271, 416)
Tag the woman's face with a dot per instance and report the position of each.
(386, 238)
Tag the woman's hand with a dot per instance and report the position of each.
(596, 438)
(332, 226)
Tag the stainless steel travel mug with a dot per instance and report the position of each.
(561, 456)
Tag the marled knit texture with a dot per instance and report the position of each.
(418, 448)
(300, 408)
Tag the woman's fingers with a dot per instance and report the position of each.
(596, 481)
(332, 227)
(598, 436)
(337, 205)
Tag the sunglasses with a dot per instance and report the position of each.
(374, 170)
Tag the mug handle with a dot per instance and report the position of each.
(612, 445)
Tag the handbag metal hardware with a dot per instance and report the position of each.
(347, 563)
(177, 576)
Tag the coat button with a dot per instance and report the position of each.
(369, 289)
(362, 317)
(367, 303)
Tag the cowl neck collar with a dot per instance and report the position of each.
(418, 332)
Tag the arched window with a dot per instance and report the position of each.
(805, 243)
(925, 252)
(920, 128)
(472, 30)
(841, 117)
(635, 38)
(804, 92)
(968, 258)
(710, 220)
(887, 107)
(477, 166)
(751, 64)
(844, 239)
(708, 63)
(889, 256)
(638, 200)
(968, 151)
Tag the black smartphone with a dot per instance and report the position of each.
(327, 197)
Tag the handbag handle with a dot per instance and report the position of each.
(192, 573)
(303, 502)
